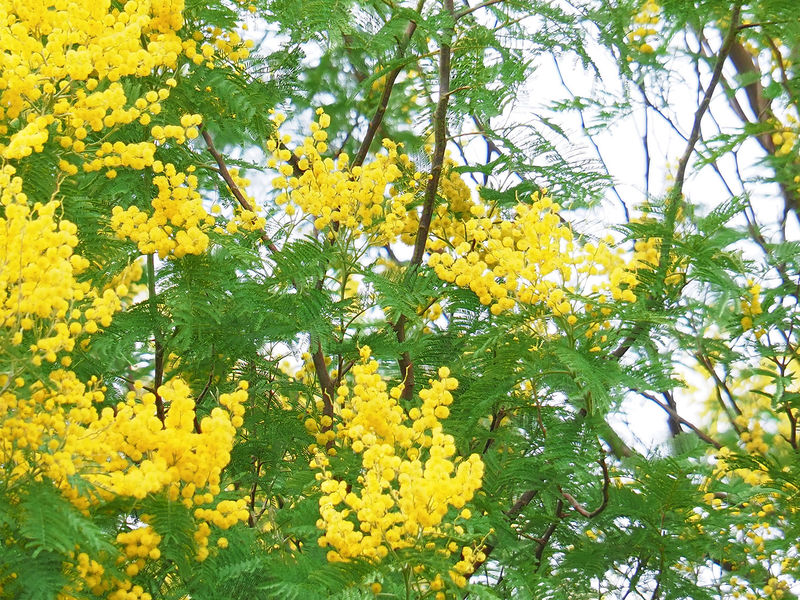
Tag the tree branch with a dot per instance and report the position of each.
(377, 118)
(670, 410)
(579, 507)
(545, 539)
(440, 142)
(325, 381)
(158, 374)
(237, 193)
(512, 514)
(471, 9)
(694, 136)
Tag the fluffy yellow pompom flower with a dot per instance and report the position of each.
(410, 476)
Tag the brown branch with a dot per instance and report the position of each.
(158, 375)
(523, 501)
(495, 425)
(670, 410)
(628, 342)
(440, 142)
(406, 366)
(589, 514)
(203, 395)
(674, 199)
(760, 106)
(720, 386)
(694, 136)
(512, 514)
(326, 383)
(793, 423)
(545, 539)
(782, 66)
(674, 420)
(237, 193)
(745, 65)
(252, 518)
(471, 9)
(377, 118)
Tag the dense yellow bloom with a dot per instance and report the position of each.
(410, 475)
(530, 258)
(60, 87)
(58, 54)
(648, 16)
(751, 306)
(178, 203)
(335, 195)
(56, 431)
(42, 302)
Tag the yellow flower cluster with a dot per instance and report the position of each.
(410, 476)
(645, 19)
(466, 566)
(448, 217)
(224, 515)
(126, 282)
(786, 136)
(42, 302)
(176, 226)
(139, 543)
(127, 591)
(64, 90)
(218, 46)
(774, 589)
(89, 47)
(60, 83)
(56, 431)
(90, 577)
(528, 259)
(760, 521)
(763, 431)
(246, 219)
(333, 194)
(49, 45)
(647, 251)
(751, 306)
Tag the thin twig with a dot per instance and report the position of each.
(589, 136)
(674, 200)
(158, 376)
(545, 539)
(589, 514)
(674, 414)
(720, 385)
(203, 395)
(237, 193)
(497, 418)
(694, 136)
(464, 12)
(326, 383)
(252, 518)
(377, 118)
(440, 142)
(512, 513)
